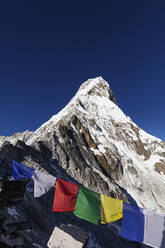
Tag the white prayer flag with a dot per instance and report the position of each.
(154, 229)
(42, 182)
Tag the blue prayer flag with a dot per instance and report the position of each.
(132, 227)
(20, 171)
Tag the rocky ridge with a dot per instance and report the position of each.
(93, 143)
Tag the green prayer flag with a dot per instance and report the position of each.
(88, 205)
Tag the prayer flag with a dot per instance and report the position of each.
(111, 209)
(88, 205)
(154, 229)
(65, 196)
(132, 227)
(14, 189)
(5, 170)
(12, 192)
(20, 171)
(42, 182)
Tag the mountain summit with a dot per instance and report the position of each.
(92, 142)
(110, 144)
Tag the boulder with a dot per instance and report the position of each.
(68, 236)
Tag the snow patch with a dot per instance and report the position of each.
(12, 212)
(37, 245)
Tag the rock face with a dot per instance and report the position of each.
(93, 143)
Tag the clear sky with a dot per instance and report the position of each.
(48, 48)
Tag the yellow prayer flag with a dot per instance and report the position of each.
(111, 209)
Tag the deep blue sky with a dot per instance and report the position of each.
(48, 48)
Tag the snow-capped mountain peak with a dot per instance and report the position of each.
(94, 143)
(116, 142)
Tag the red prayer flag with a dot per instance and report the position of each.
(65, 196)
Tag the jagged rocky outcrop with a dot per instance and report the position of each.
(93, 143)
